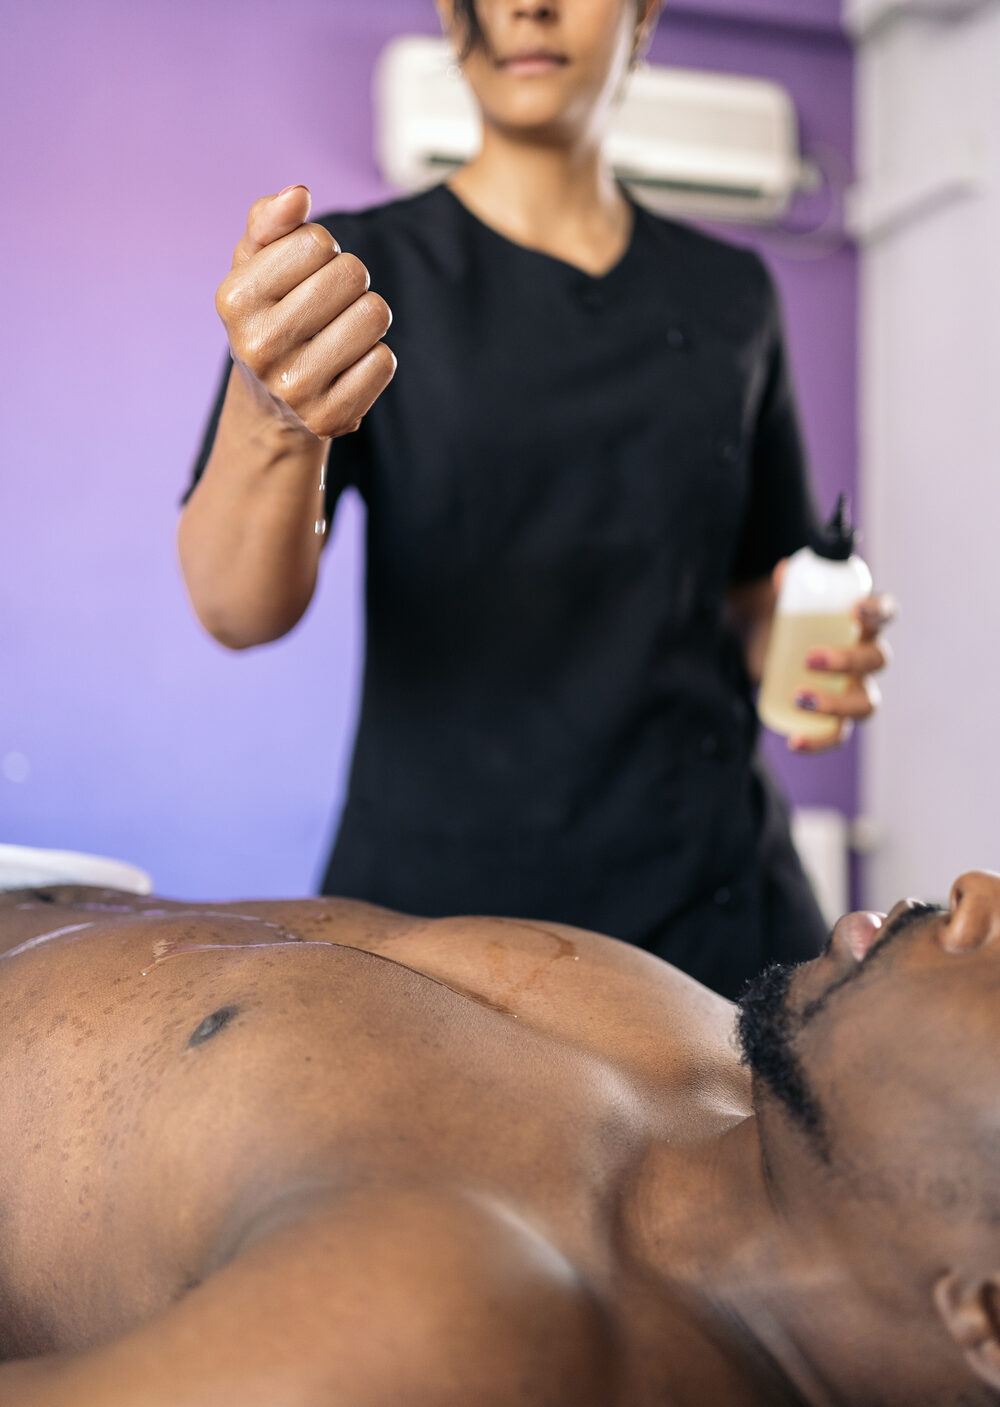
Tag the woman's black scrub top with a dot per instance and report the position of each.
(563, 480)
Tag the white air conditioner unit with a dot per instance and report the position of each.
(686, 142)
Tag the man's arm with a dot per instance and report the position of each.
(408, 1296)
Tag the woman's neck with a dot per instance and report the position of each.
(561, 201)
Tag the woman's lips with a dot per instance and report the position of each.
(856, 933)
(529, 63)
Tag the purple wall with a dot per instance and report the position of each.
(819, 16)
(137, 135)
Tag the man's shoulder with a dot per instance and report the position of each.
(423, 1295)
(437, 1295)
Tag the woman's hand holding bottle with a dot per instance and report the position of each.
(860, 696)
(824, 641)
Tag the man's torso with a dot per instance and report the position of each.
(173, 1075)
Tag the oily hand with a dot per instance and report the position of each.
(304, 329)
(861, 697)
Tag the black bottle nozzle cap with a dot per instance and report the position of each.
(836, 541)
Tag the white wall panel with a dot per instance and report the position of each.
(929, 119)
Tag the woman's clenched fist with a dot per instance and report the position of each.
(304, 328)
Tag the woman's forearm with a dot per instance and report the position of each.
(305, 331)
(248, 547)
(751, 611)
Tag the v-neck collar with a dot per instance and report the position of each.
(573, 270)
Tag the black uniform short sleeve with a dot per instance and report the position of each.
(211, 429)
(780, 515)
(347, 456)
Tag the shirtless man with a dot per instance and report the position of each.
(321, 1155)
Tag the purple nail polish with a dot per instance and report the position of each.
(806, 701)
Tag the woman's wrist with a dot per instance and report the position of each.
(268, 416)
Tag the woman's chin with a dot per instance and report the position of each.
(530, 120)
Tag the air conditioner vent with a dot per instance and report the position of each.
(687, 142)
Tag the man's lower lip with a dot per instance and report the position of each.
(860, 931)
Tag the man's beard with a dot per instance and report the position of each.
(767, 1030)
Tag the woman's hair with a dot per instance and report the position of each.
(471, 29)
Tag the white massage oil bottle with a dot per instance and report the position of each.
(820, 586)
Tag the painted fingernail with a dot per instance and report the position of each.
(817, 659)
(806, 701)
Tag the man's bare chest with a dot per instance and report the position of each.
(152, 1108)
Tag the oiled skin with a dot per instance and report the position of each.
(376, 1094)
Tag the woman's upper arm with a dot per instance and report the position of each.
(411, 1296)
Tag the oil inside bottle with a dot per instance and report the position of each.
(794, 636)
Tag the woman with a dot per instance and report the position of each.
(577, 489)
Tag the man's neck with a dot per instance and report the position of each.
(561, 200)
(778, 1294)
